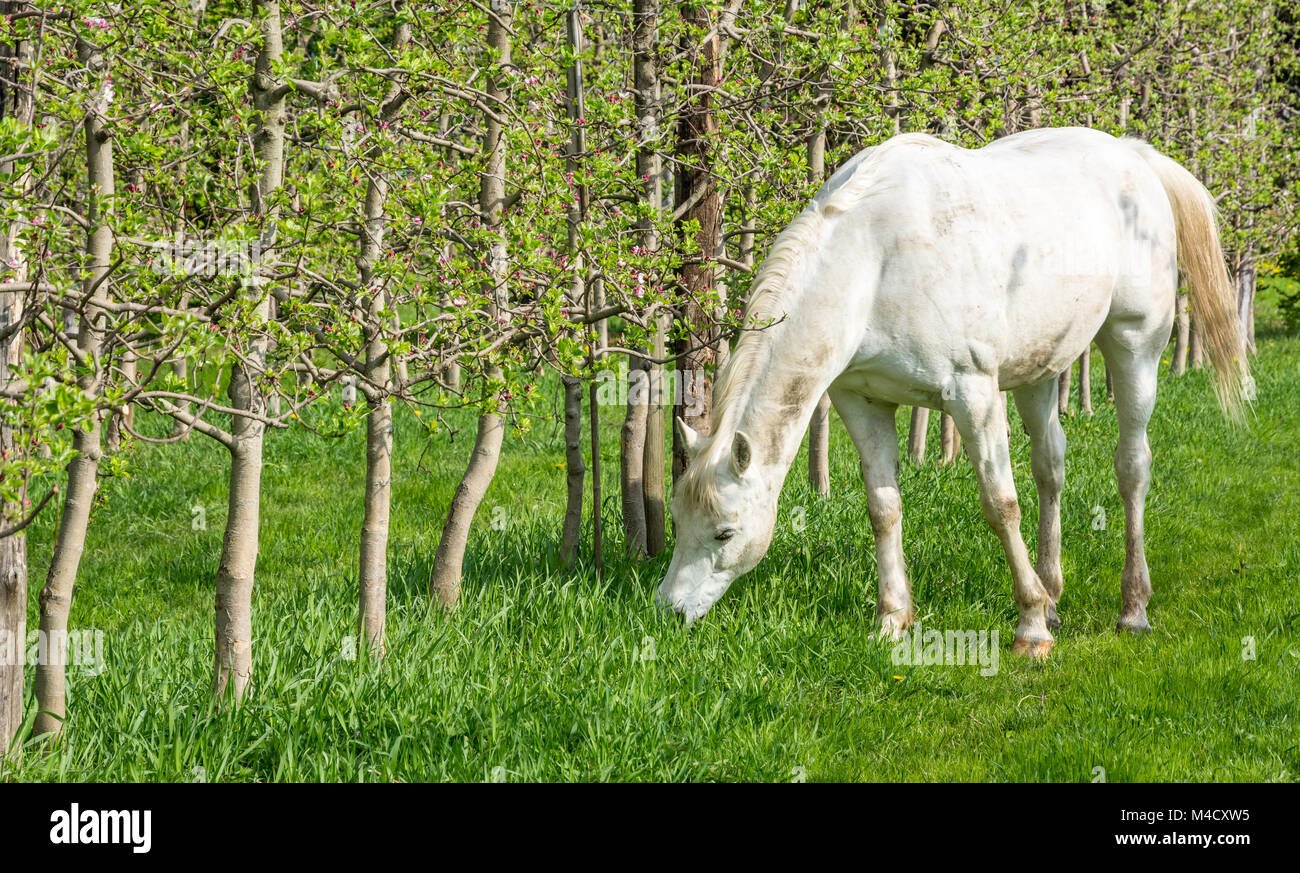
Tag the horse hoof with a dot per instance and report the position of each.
(894, 624)
(1036, 649)
(1053, 620)
(1134, 625)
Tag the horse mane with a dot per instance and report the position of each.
(768, 303)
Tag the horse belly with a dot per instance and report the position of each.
(1052, 329)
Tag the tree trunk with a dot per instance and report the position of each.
(450, 559)
(632, 457)
(1182, 336)
(83, 469)
(1195, 355)
(233, 631)
(373, 578)
(696, 130)
(1246, 273)
(819, 430)
(56, 596)
(15, 103)
(13, 624)
(1085, 380)
(949, 440)
(444, 583)
(124, 416)
(916, 432)
(181, 368)
(372, 587)
(597, 520)
(233, 659)
(642, 442)
(819, 447)
(13, 548)
(653, 468)
(575, 470)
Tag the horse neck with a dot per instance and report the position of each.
(798, 362)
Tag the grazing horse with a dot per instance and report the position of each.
(930, 275)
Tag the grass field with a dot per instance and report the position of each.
(551, 674)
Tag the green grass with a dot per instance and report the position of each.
(545, 673)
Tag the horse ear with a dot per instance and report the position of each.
(689, 437)
(741, 454)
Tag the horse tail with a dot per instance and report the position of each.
(1214, 305)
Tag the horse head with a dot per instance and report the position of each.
(724, 512)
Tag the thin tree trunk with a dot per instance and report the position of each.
(233, 626)
(13, 622)
(13, 557)
(721, 348)
(448, 564)
(124, 414)
(56, 596)
(1195, 356)
(1182, 336)
(83, 469)
(575, 470)
(819, 447)
(1085, 380)
(451, 375)
(1246, 273)
(642, 443)
(449, 561)
(695, 182)
(181, 368)
(889, 70)
(819, 430)
(372, 605)
(597, 289)
(949, 440)
(654, 477)
(373, 579)
(15, 103)
(632, 457)
(233, 631)
(597, 520)
(916, 432)
(13, 548)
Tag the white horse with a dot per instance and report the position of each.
(930, 275)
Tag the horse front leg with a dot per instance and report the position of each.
(871, 425)
(1039, 411)
(977, 410)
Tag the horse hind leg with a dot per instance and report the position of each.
(1039, 409)
(978, 412)
(871, 425)
(1134, 364)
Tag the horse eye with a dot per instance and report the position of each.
(723, 535)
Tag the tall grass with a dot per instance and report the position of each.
(546, 673)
